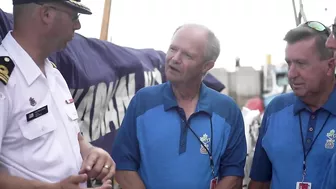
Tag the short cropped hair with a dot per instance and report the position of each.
(304, 32)
(23, 13)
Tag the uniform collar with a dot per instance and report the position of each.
(22, 60)
(329, 105)
(170, 101)
(50, 72)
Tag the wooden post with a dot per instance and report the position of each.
(106, 20)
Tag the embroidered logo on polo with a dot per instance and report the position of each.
(330, 142)
(205, 140)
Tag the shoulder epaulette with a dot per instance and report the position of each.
(53, 65)
(6, 68)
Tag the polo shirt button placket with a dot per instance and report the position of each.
(308, 140)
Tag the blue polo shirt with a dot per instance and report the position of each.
(330, 178)
(155, 141)
(279, 151)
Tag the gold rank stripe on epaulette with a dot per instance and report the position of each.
(6, 69)
(53, 65)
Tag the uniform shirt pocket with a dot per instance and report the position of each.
(41, 148)
(37, 127)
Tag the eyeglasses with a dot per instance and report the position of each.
(73, 17)
(318, 26)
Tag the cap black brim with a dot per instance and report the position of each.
(78, 7)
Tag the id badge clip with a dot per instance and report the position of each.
(213, 183)
(303, 185)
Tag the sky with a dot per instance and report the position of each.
(249, 29)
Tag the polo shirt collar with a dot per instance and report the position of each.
(170, 102)
(329, 105)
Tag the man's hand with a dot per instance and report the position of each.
(73, 182)
(98, 164)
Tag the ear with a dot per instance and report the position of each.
(331, 67)
(46, 15)
(207, 66)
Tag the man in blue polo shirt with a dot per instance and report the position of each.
(182, 134)
(297, 135)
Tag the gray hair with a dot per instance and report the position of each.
(304, 32)
(212, 49)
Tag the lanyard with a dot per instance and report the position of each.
(211, 139)
(208, 152)
(305, 154)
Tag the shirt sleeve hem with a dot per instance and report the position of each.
(126, 167)
(259, 178)
(233, 172)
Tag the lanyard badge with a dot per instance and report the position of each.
(302, 184)
(213, 183)
(205, 148)
(204, 140)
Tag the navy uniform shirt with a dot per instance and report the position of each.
(38, 120)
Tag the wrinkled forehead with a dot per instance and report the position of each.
(190, 40)
(194, 36)
(301, 49)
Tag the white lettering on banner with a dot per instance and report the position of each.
(148, 78)
(84, 111)
(77, 95)
(123, 96)
(111, 114)
(104, 105)
(100, 105)
(153, 76)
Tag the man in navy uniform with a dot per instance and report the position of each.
(40, 141)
